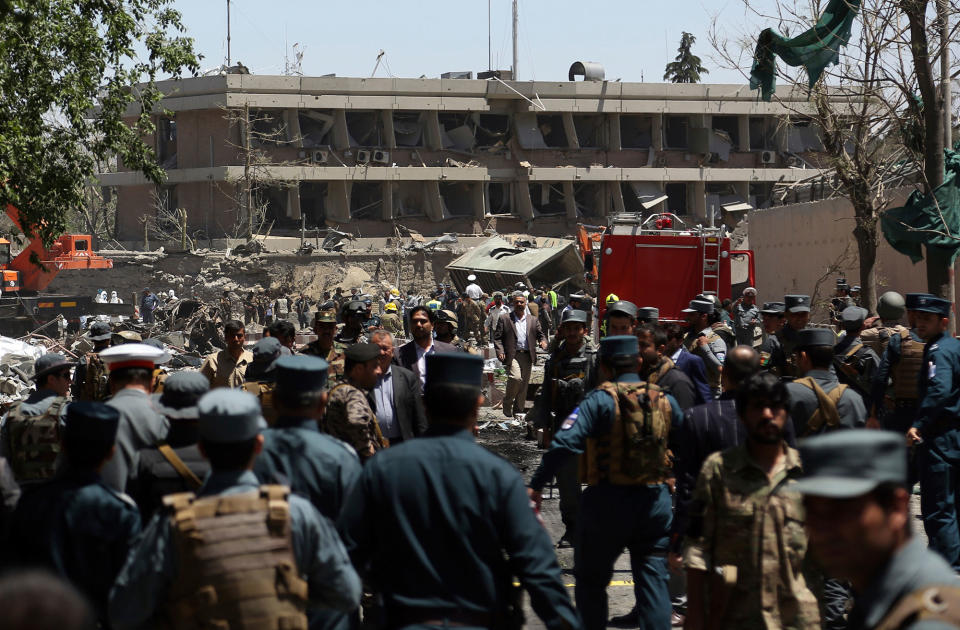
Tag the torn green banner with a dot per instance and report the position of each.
(815, 49)
(919, 222)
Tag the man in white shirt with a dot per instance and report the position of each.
(473, 289)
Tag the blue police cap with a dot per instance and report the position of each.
(797, 303)
(454, 368)
(847, 464)
(301, 372)
(181, 391)
(933, 304)
(910, 299)
(362, 352)
(229, 415)
(266, 349)
(92, 421)
(815, 337)
(773, 308)
(853, 316)
(619, 345)
(622, 307)
(50, 362)
(574, 315)
(648, 313)
(700, 306)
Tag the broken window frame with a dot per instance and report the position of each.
(672, 136)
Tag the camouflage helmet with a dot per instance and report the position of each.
(891, 306)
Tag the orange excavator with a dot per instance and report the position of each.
(33, 269)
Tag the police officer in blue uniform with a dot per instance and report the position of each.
(443, 526)
(627, 503)
(937, 426)
(230, 433)
(315, 465)
(75, 525)
(858, 521)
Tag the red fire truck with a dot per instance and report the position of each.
(659, 261)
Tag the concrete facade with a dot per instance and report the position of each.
(462, 155)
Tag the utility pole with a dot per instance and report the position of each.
(516, 49)
(228, 33)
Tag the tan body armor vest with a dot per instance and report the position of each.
(635, 451)
(906, 372)
(264, 393)
(877, 338)
(95, 384)
(237, 568)
(34, 441)
(826, 412)
(930, 603)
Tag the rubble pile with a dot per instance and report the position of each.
(16, 368)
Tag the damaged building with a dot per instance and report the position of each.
(460, 154)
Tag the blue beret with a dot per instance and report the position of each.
(933, 304)
(454, 368)
(910, 299)
(92, 421)
(848, 464)
(619, 345)
(796, 303)
(301, 372)
(815, 337)
(229, 415)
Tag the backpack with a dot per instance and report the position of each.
(826, 412)
(34, 441)
(95, 382)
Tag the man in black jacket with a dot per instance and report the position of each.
(413, 354)
(399, 404)
(660, 370)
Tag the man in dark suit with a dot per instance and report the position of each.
(412, 355)
(515, 338)
(688, 363)
(399, 406)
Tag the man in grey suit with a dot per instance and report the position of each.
(141, 426)
(399, 404)
(515, 338)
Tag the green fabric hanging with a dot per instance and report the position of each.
(900, 225)
(815, 49)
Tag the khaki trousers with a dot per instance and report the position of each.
(518, 377)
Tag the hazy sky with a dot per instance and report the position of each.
(633, 39)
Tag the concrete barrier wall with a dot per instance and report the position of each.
(795, 247)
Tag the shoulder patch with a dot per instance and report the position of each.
(571, 419)
(931, 369)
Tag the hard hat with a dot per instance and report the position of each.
(394, 292)
(891, 306)
(390, 307)
(612, 298)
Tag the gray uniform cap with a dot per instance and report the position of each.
(853, 316)
(648, 313)
(573, 315)
(849, 464)
(622, 307)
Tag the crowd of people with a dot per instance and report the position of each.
(338, 484)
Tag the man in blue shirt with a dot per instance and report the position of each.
(627, 502)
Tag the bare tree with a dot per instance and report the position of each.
(864, 109)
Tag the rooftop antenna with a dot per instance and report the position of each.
(379, 59)
(228, 33)
(489, 54)
(516, 26)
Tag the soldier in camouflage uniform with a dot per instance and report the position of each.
(471, 319)
(447, 329)
(90, 376)
(353, 315)
(771, 352)
(350, 412)
(30, 438)
(797, 309)
(325, 346)
(746, 542)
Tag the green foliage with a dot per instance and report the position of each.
(70, 70)
(687, 67)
